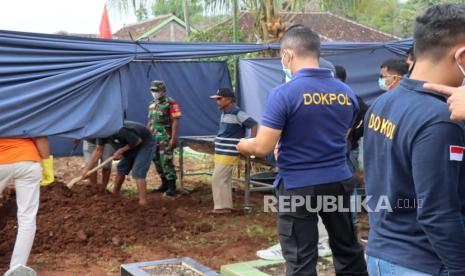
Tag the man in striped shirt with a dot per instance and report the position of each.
(233, 125)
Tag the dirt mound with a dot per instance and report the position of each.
(93, 224)
(88, 220)
(7, 210)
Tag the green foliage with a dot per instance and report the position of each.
(405, 17)
(142, 14)
(219, 33)
(175, 7)
(222, 33)
(390, 16)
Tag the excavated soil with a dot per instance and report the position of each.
(86, 232)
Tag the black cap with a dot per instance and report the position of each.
(223, 92)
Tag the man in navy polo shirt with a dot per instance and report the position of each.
(414, 159)
(310, 116)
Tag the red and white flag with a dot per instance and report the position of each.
(105, 31)
(456, 153)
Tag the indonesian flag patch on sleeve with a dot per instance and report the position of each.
(456, 153)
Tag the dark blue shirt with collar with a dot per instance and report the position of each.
(413, 156)
(314, 111)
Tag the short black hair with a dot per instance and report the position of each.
(340, 73)
(395, 65)
(411, 52)
(438, 29)
(302, 40)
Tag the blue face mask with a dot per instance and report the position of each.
(382, 84)
(287, 71)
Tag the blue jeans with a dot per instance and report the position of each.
(379, 267)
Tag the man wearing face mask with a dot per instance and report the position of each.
(164, 114)
(413, 157)
(310, 116)
(392, 71)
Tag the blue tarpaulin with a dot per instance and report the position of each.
(71, 86)
(81, 87)
(190, 83)
(361, 60)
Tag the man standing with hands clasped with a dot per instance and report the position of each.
(233, 124)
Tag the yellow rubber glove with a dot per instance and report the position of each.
(47, 171)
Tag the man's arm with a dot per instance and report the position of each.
(175, 114)
(96, 155)
(119, 153)
(253, 131)
(132, 139)
(42, 146)
(269, 132)
(438, 179)
(248, 122)
(174, 133)
(262, 145)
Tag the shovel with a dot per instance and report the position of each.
(77, 179)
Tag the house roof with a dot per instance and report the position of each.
(144, 29)
(76, 34)
(330, 27)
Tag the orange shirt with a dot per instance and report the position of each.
(13, 150)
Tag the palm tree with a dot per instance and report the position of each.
(268, 25)
(125, 6)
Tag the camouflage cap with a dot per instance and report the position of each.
(158, 85)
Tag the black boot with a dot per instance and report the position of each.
(171, 191)
(163, 187)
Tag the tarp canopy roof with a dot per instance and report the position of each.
(72, 86)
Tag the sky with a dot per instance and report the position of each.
(51, 16)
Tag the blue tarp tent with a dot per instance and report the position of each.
(75, 87)
(82, 87)
(189, 82)
(361, 60)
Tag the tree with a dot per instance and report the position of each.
(131, 6)
(391, 16)
(176, 7)
(268, 26)
(404, 22)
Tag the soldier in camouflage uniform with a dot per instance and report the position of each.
(164, 114)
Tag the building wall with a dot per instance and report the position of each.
(171, 32)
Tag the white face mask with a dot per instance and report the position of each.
(287, 71)
(382, 84)
(156, 95)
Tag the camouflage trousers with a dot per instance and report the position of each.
(163, 160)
